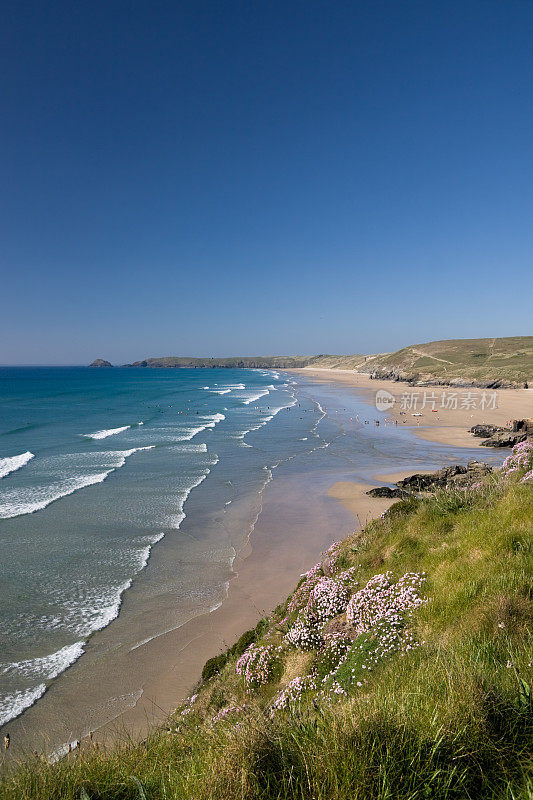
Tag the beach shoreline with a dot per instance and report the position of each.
(300, 516)
(267, 568)
(445, 425)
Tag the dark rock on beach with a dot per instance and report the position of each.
(504, 439)
(484, 430)
(455, 475)
(388, 492)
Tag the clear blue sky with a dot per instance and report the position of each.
(263, 176)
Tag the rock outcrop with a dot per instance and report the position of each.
(456, 475)
(100, 362)
(388, 492)
(503, 437)
(484, 430)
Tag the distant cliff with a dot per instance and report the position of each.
(100, 362)
(249, 362)
(457, 362)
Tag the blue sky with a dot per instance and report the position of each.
(256, 177)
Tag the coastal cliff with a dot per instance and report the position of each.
(400, 667)
(485, 363)
(237, 362)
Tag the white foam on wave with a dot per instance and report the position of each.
(102, 610)
(45, 667)
(220, 391)
(261, 391)
(105, 433)
(176, 520)
(218, 417)
(11, 705)
(190, 447)
(12, 464)
(265, 418)
(256, 396)
(186, 434)
(17, 502)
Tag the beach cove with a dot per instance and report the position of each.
(312, 498)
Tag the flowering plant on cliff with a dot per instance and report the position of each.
(304, 634)
(301, 595)
(327, 599)
(332, 652)
(257, 664)
(520, 457)
(292, 692)
(383, 599)
(228, 711)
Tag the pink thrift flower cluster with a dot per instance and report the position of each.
(335, 646)
(223, 713)
(519, 458)
(188, 703)
(382, 599)
(292, 692)
(301, 595)
(257, 664)
(332, 556)
(327, 599)
(334, 650)
(304, 634)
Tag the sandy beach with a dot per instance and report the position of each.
(445, 425)
(300, 518)
(303, 510)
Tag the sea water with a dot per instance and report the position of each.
(96, 466)
(133, 490)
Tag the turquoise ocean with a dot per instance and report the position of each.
(95, 468)
(133, 490)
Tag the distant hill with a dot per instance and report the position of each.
(236, 362)
(481, 362)
(478, 361)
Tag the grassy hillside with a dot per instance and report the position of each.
(482, 360)
(400, 669)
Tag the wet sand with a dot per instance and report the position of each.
(303, 511)
(444, 425)
(353, 497)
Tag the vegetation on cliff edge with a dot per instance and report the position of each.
(399, 668)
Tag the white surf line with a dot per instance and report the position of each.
(103, 434)
(34, 499)
(13, 463)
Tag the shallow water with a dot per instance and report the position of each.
(96, 467)
(189, 485)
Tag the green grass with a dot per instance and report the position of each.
(483, 360)
(452, 720)
(507, 359)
